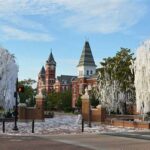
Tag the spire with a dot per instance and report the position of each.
(51, 59)
(86, 58)
(42, 72)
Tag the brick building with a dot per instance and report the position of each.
(86, 76)
(86, 73)
(47, 80)
(47, 75)
(63, 83)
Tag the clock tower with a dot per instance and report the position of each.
(50, 73)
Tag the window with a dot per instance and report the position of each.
(91, 72)
(87, 72)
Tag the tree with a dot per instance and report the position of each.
(116, 81)
(8, 77)
(94, 101)
(79, 102)
(28, 96)
(51, 101)
(59, 101)
(67, 100)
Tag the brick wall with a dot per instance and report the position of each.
(85, 109)
(132, 124)
(97, 114)
(76, 90)
(32, 113)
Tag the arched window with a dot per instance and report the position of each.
(87, 72)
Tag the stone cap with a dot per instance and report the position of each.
(86, 95)
(22, 105)
(99, 106)
(40, 96)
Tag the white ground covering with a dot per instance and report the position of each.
(61, 124)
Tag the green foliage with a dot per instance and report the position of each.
(8, 114)
(59, 101)
(123, 72)
(66, 98)
(79, 102)
(1, 109)
(117, 69)
(28, 82)
(148, 113)
(29, 92)
(94, 102)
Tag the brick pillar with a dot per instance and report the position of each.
(85, 106)
(40, 100)
(102, 113)
(22, 111)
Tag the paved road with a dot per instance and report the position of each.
(72, 142)
(136, 135)
(34, 143)
(104, 142)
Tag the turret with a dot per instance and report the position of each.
(41, 80)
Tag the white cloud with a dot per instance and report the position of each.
(17, 20)
(13, 33)
(96, 16)
(103, 16)
(24, 23)
(27, 7)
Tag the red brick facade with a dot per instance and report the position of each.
(79, 85)
(47, 78)
(60, 87)
(50, 74)
(86, 76)
(32, 113)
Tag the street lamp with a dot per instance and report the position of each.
(16, 107)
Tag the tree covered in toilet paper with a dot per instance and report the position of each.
(8, 77)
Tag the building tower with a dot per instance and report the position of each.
(41, 80)
(50, 72)
(86, 73)
(86, 67)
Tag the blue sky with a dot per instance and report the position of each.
(31, 28)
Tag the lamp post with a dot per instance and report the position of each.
(16, 107)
